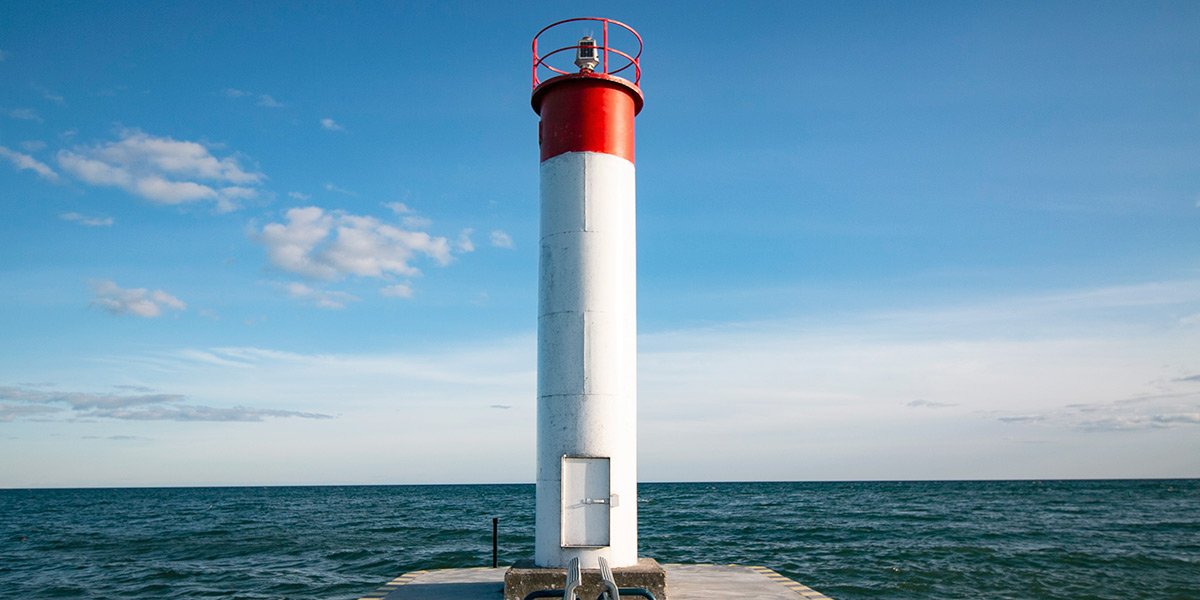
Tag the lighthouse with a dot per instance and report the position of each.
(586, 94)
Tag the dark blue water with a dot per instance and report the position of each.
(1019, 540)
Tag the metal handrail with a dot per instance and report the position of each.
(634, 61)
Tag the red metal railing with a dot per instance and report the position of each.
(632, 61)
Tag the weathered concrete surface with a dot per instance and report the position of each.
(444, 584)
(697, 582)
(685, 582)
(524, 578)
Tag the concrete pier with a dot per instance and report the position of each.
(684, 582)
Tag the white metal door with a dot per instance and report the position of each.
(586, 500)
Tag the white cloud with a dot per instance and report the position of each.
(171, 192)
(399, 208)
(320, 298)
(12, 412)
(132, 407)
(267, 101)
(1063, 365)
(724, 402)
(80, 400)
(928, 404)
(333, 245)
(501, 239)
(199, 413)
(86, 220)
(24, 114)
(162, 170)
(33, 145)
(139, 302)
(399, 290)
(264, 100)
(28, 163)
(416, 222)
(301, 196)
(464, 243)
(291, 246)
(1166, 411)
(329, 187)
(330, 125)
(51, 95)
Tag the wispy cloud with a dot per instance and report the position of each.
(299, 196)
(330, 245)
(199, 413)
(83, 400)
(1021, 418)
(50, 95)
(1137, 422)
(24, 402)
(1100, 303)
(416, 222)
(23, 114)
(329, 187)
(163, 170)
(464, 243)
(86, 220)
(501, 239)
(330, 125)
(133, 388)
(26, 162)
(139, 302)
(1144, 411)
(265, 100)
(1012, 363)
(435, 373)
(399, 290)
(929, 404)
(13, 412)
(318, 297)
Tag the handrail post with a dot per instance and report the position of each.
(535, 62)
(495, 541)
(605, 47)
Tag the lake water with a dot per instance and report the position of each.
(1005, 539)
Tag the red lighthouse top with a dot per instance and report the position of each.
(590, 109)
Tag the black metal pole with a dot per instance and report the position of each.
(495, 541)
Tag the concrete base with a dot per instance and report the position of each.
(523, 577)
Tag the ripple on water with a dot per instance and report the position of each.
(1053, 540)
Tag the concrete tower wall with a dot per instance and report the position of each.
(587, 346)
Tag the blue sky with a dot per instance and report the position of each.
(276, 244)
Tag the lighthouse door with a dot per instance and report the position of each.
(586, 500)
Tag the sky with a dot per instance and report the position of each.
(272, 243)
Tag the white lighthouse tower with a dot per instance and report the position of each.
(587, 303)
